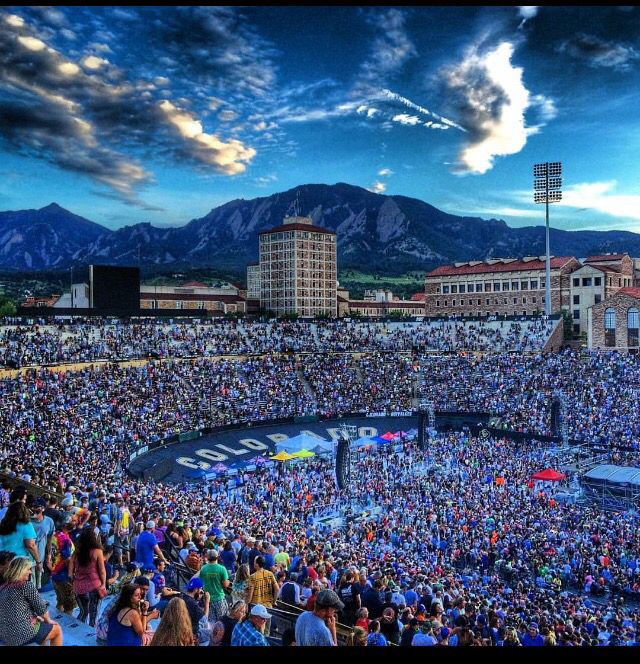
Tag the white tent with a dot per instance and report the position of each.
(304, 442)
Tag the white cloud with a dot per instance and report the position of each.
(492, 99)
(528, 11)
(227, 115)
(390, 51)
(378, 187)
(14, 21)
(601, 197)
(385, 172)
(229, 157)
(93, 62)
(421, 109)
(69, 68)
(32, 43)
(405, 119)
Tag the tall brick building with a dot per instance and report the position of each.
(298, 269)
(614, 323)
(498, 286)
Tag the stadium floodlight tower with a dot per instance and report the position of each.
(547, 188)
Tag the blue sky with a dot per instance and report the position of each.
(126, 114)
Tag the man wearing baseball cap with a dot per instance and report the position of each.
(318, 627)
(193, 593)
(146, 545)
(250, 631)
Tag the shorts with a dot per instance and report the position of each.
(41, 634)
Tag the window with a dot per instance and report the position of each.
(487, 302)
(610, 328)
(597, 298)
(524, 300)
(524, 285)
(438, 290)
(576, 299)
(496, 286)
(576, 314)
(597, 281)
(487, 287)
(534, 284)
(454, 288)
(470, 288)
(514, 285)
(446, 303)
(586, 281)
(576, 328)
(462, 303)
(453, 303)
(534, 300)
(576, 282)
(504, 300)
(437, 303)
(462, 288)
(478, 288)
(633, 323)
(515, 300)
(505, 285)
(445, 288)
(479, 302)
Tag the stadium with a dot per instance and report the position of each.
(440, 478)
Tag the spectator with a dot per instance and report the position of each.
(23, 613)
(250, 632)
(318, 627)
(175, 628)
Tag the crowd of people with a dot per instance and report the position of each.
(451, 545)
(92, 340)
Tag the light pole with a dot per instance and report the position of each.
(547, 186)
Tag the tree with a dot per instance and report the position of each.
(567, 323)
(7, 307)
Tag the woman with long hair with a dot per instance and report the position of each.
(23, 613)
(17, 533)
(129, 617)
(240, 583)
(89, 575)
(175, 628)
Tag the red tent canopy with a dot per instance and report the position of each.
(387, 436)
(549, 475)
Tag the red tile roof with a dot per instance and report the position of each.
(483, 268)
(297, 227)
(419, 297)
(633, 291)
(604, 257)
(191, 297)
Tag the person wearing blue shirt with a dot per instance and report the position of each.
(250, 631)
(146, 545)
(532, 637)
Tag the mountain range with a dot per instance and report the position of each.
(375, 233)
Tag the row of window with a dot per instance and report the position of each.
(596, 298)
(505, 300)
(597, 281)
(305, 235)
(489, 286)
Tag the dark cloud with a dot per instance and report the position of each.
(597, 52)
(88, 116)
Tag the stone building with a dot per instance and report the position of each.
(614, 323)
(498, 286)
(598, 279)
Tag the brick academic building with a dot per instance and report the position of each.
(499, 286)
(614, 324)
